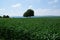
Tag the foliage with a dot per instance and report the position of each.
(4, 16)
(29, 13)
(0, 16)
(30, 29)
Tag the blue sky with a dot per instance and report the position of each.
(40, 7)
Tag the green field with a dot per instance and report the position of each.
(30, 28)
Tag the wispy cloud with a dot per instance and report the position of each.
(30, 7)
(16, 5)
(2, 9)
(47, 12)
(53, 1)
(10, 12)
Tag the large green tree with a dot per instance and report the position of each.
(29, 13)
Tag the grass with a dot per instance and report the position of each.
(30, 28)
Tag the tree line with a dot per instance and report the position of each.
(28, 13)
(4, 16)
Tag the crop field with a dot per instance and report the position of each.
(30, 28)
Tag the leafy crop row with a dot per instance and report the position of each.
(30, 29)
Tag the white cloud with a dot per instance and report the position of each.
(47, 12)
(53, 1)
(10, 12)
(16, 5)
(2, 9)
(30, 6)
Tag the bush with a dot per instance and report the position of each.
(4, 16)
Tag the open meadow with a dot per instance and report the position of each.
(30, 28)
